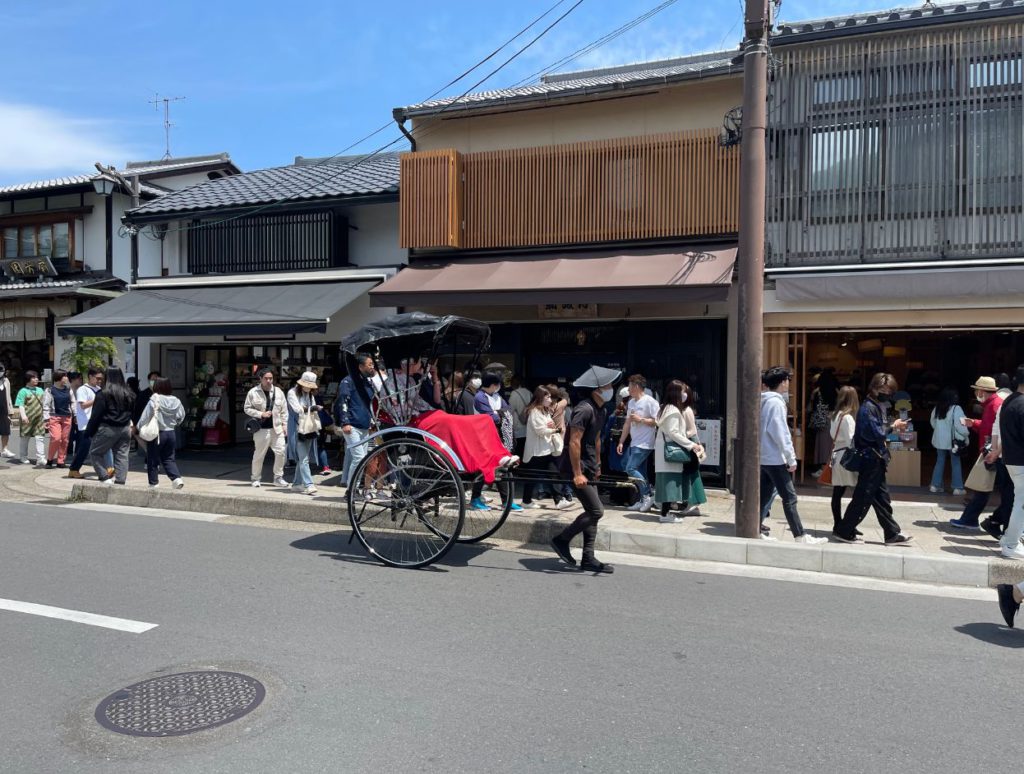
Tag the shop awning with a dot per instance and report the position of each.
(905, 283)
(598, 278)
(252, 310)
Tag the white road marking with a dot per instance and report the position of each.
(134, 510)
(78, 616)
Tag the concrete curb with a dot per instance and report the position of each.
(866, 562)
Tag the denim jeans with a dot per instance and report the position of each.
(355, 451)
(635, 465)
(941, 455)
(778, 479)
(1014, 530)
(302, 477)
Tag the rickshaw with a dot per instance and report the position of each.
(407, 498)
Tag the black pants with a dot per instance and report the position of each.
(871, 492)
(538, 466)
(837, 505)
(586, 522)
(1004, 484)
(82, 445)
(776, 479)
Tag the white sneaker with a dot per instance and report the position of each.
(769, 538)
(809, 539)
(310, 490)
(936, 490)
(563, 504)
(1017, 552)
(280, 482)
(526, 505)
(8, 453)
(669, 519)
(178, 483)
(107, 482)
(694, 511)
(256, 485)
(154, 486)
(646, 504)
(959, 492)
(26, 461)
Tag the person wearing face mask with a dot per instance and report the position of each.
(467, 398)
(585, 426)
(543, 445)
(873, 426)
(778, 456)
(980, 481)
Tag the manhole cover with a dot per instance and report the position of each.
(179, 704)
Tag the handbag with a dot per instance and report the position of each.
(309, 423)
(852, 460)
(150, 431)
(826, 471)
(980, 479)
(253, 425)
(959, 446)
(676, 453)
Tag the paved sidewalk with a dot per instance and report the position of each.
(218, 482)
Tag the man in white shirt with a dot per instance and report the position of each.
(640, 430)
(85, 396)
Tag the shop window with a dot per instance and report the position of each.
(49, 240)
(844, 166)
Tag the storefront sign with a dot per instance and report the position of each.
(28, 268)
(567, 311)
(710, 433)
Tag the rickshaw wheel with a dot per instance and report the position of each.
(406, 503)
(480, 525)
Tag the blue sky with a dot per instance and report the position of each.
(266, 81)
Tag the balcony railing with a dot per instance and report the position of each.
(663, 186)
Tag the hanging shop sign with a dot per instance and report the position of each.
(567, 311)
(28, 268)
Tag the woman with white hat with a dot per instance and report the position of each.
(302, 401)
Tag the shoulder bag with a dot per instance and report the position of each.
(958, 446)
(150, 431)
(826, 471)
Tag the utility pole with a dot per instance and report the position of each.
(155, 102)
(753, 177)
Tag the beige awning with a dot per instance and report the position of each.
(597, 278)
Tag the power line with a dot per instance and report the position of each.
(596, 44)
(366, 157)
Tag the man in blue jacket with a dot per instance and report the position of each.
(778, 456)
(352, 414)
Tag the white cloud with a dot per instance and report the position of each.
(37, 141)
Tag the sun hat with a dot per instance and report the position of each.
(985, 383)
(308, 380)
(597, 376)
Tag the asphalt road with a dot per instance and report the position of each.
(497, 661)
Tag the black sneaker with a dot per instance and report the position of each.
(593, 565)
(993, 529)
(561, 547)
(51, 464)
(899, 539)
(765, 529)
(1007, 605)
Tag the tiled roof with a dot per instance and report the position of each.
(895, 18)
(586, 82)
(53, 287)
(42, 185)
(163, 166)
(307, 180)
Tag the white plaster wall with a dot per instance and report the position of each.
(695, 105)
(375, 243)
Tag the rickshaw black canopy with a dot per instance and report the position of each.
(416, 330)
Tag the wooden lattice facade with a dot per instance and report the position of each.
(899, 146)
(641, 188)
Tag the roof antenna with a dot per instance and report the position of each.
(155, 102)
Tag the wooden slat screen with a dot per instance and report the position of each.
(895, 147)
(679, 184)
(430, 199)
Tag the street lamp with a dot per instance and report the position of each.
(104, 185)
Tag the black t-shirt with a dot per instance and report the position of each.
(589, 418)
(268, 423)
(1011, 429)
